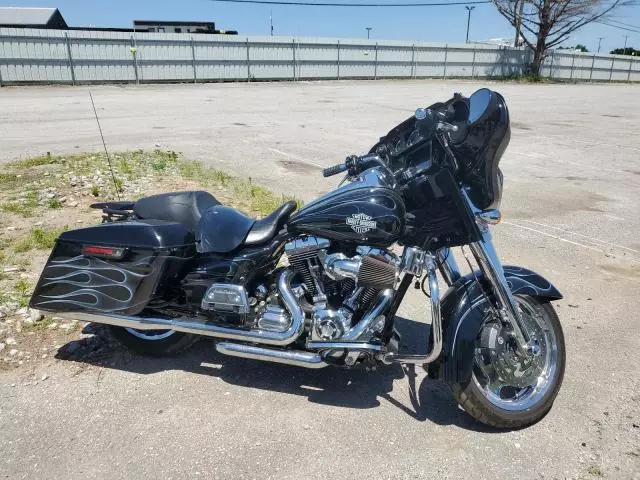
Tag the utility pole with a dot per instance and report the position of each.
(624, 50)
(599, 42)
(368, 29)
(468, 19)
(271, 21)
(518, 11)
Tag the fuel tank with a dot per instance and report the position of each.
(366, 210)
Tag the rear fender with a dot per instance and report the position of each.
(464, 307)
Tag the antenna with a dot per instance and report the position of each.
(271, 21)
(113, 177)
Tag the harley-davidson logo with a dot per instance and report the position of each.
(361, 223)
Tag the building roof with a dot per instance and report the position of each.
(26, 16)
(172, 22)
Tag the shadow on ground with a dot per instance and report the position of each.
(429, 400)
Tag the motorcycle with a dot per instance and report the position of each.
(322, 286)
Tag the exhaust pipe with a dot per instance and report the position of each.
(189, 325)
(288, 357)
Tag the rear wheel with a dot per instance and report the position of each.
(506, 391)
(155, 343)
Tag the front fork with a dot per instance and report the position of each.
(489, 263)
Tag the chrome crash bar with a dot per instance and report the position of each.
(436, 323)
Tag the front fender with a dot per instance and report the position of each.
(463, 309)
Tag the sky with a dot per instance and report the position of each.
(433, 24)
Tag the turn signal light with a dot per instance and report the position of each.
(491, 216)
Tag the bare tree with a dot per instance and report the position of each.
(543, 24)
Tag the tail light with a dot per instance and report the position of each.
(115, 253)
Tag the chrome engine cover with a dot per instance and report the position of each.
(226, 298)
(330, 324)
(274, 319)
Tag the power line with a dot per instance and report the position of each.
(339, 4)
(617, 26)
(622, 23)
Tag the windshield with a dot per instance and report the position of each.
(479, 150)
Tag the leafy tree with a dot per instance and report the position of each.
(579, 47)
(625, 51)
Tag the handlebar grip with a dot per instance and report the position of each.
(327, 172)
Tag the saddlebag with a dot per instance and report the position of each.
(114, 267)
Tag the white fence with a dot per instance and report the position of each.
(58, 56)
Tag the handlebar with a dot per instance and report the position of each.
(429, 120)
(341, 167)
(354, 165)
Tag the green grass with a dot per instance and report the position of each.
(521, 77)
(255, 198)
(46, 159)
(124, 167)
(24, 207)
(18, 208)
(37, 238)
(128, 167)
(23, 290)
(119, 184)
(595, 471)
(8, 177)
(54, 203)
(39, 326)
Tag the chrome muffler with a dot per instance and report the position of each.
(297, 358)
(189, 325)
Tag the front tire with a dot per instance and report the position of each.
(501, 399)
(154, 343)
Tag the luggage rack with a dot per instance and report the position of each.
(115, 211)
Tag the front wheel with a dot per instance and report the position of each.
(155, 343)
(506, 391)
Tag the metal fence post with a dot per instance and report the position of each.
(504, 59)
(553, 56)
(629, 72)
(446, 51)
(338, 59)
(248, 62)
(413, 61)
(134, 52)
(293, 64)
(573, 62)
(375, 66)
(473, 61)
(71, 69)
(193, 61)
(1, 84)
(593, 61)
(613, 59)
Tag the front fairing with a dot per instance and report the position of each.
(480, 151)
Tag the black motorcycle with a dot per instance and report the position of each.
(322, 286)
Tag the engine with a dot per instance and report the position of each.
(341, 288)
(335, 291)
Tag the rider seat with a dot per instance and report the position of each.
(181, 207)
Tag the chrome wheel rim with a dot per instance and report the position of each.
(507, 390)
(150, 335)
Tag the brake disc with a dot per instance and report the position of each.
(498, 359)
